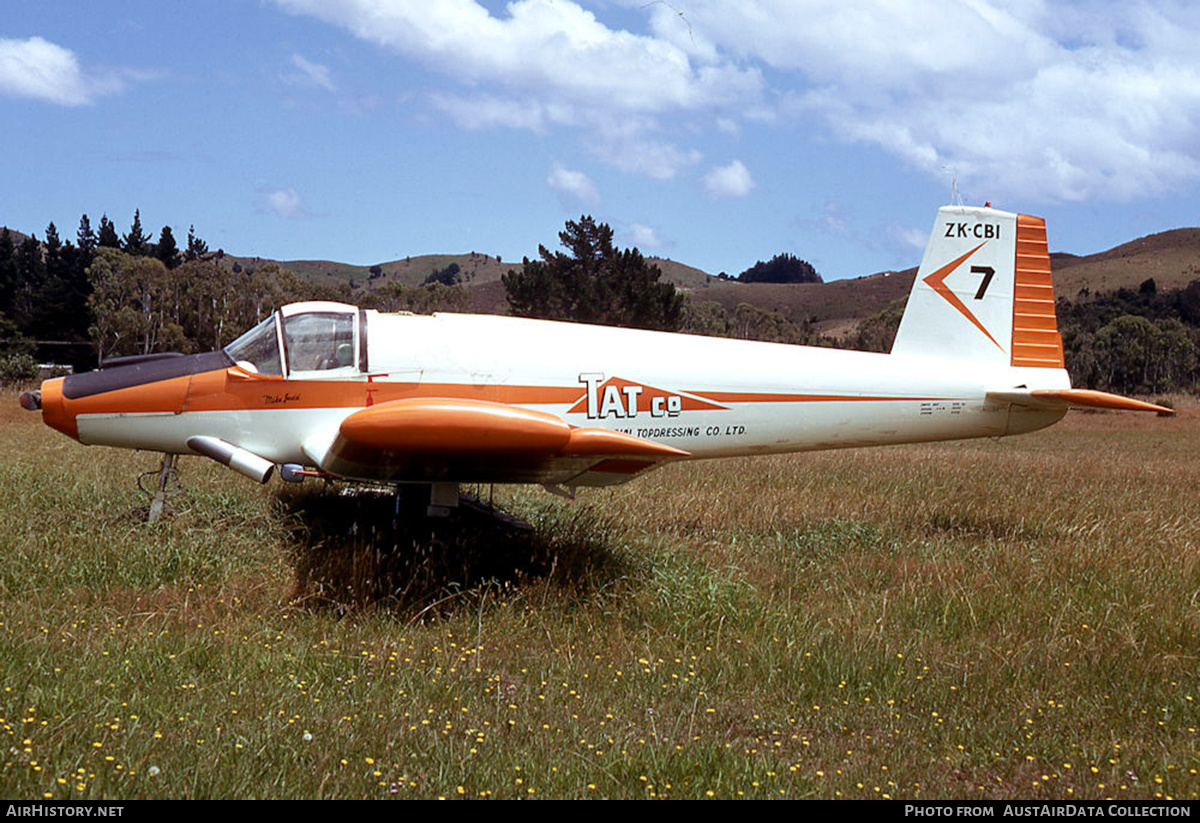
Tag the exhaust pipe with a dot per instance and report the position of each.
(235, 457)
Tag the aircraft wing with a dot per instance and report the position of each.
(1074, 398)
(452, 439)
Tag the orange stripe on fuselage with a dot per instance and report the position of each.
(236, 390)
(764, 397)
(230, 390)
(213, 391)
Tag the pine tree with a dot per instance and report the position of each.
(595, 283)
(137, 242)
(9, 274)
(108, 234)
(60, 302)
(85, 237)
(196, 248)
(166, 250)
(31, 277)
(53, 250)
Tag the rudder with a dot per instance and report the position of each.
(1035, 337)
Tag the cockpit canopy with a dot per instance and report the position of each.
(314, 339)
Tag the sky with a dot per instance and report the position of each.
(711, 132)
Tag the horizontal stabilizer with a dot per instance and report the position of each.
(1077, 398)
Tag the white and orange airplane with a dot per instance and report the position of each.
(331, 390)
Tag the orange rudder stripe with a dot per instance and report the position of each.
(1035, 338)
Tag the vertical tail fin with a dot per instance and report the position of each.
(983, 292)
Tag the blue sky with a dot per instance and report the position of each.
(713, 133)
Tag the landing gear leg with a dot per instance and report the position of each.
(166, 473)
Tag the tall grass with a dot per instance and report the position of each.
(987, 619)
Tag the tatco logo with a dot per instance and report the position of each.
(617, 397)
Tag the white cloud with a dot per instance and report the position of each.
(286, 203)
(645, 237)
(45, 71)
(575, 187)
(840, 220)
(729, 126)
(649, 158)
(555, 48)
(1067, 101)
(551, 63)
(909, 239)
(488, 111)
(1023, 98)
(311, 73)
(728, 181)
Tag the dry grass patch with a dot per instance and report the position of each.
(1015, 618)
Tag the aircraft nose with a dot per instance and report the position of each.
(54, 412)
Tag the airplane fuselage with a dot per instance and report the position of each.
(708, 397)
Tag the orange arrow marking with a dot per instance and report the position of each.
(937, 281)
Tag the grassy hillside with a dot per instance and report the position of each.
(987, 619)
(833, 306)
(476, 269)
(1172, 258)
(682, 274)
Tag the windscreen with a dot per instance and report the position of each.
(258, 349)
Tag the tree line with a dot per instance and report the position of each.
(110, 295)
(47, 287)
(1134, 342)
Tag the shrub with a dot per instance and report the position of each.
(17, 367)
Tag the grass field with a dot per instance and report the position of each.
(987, 619)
